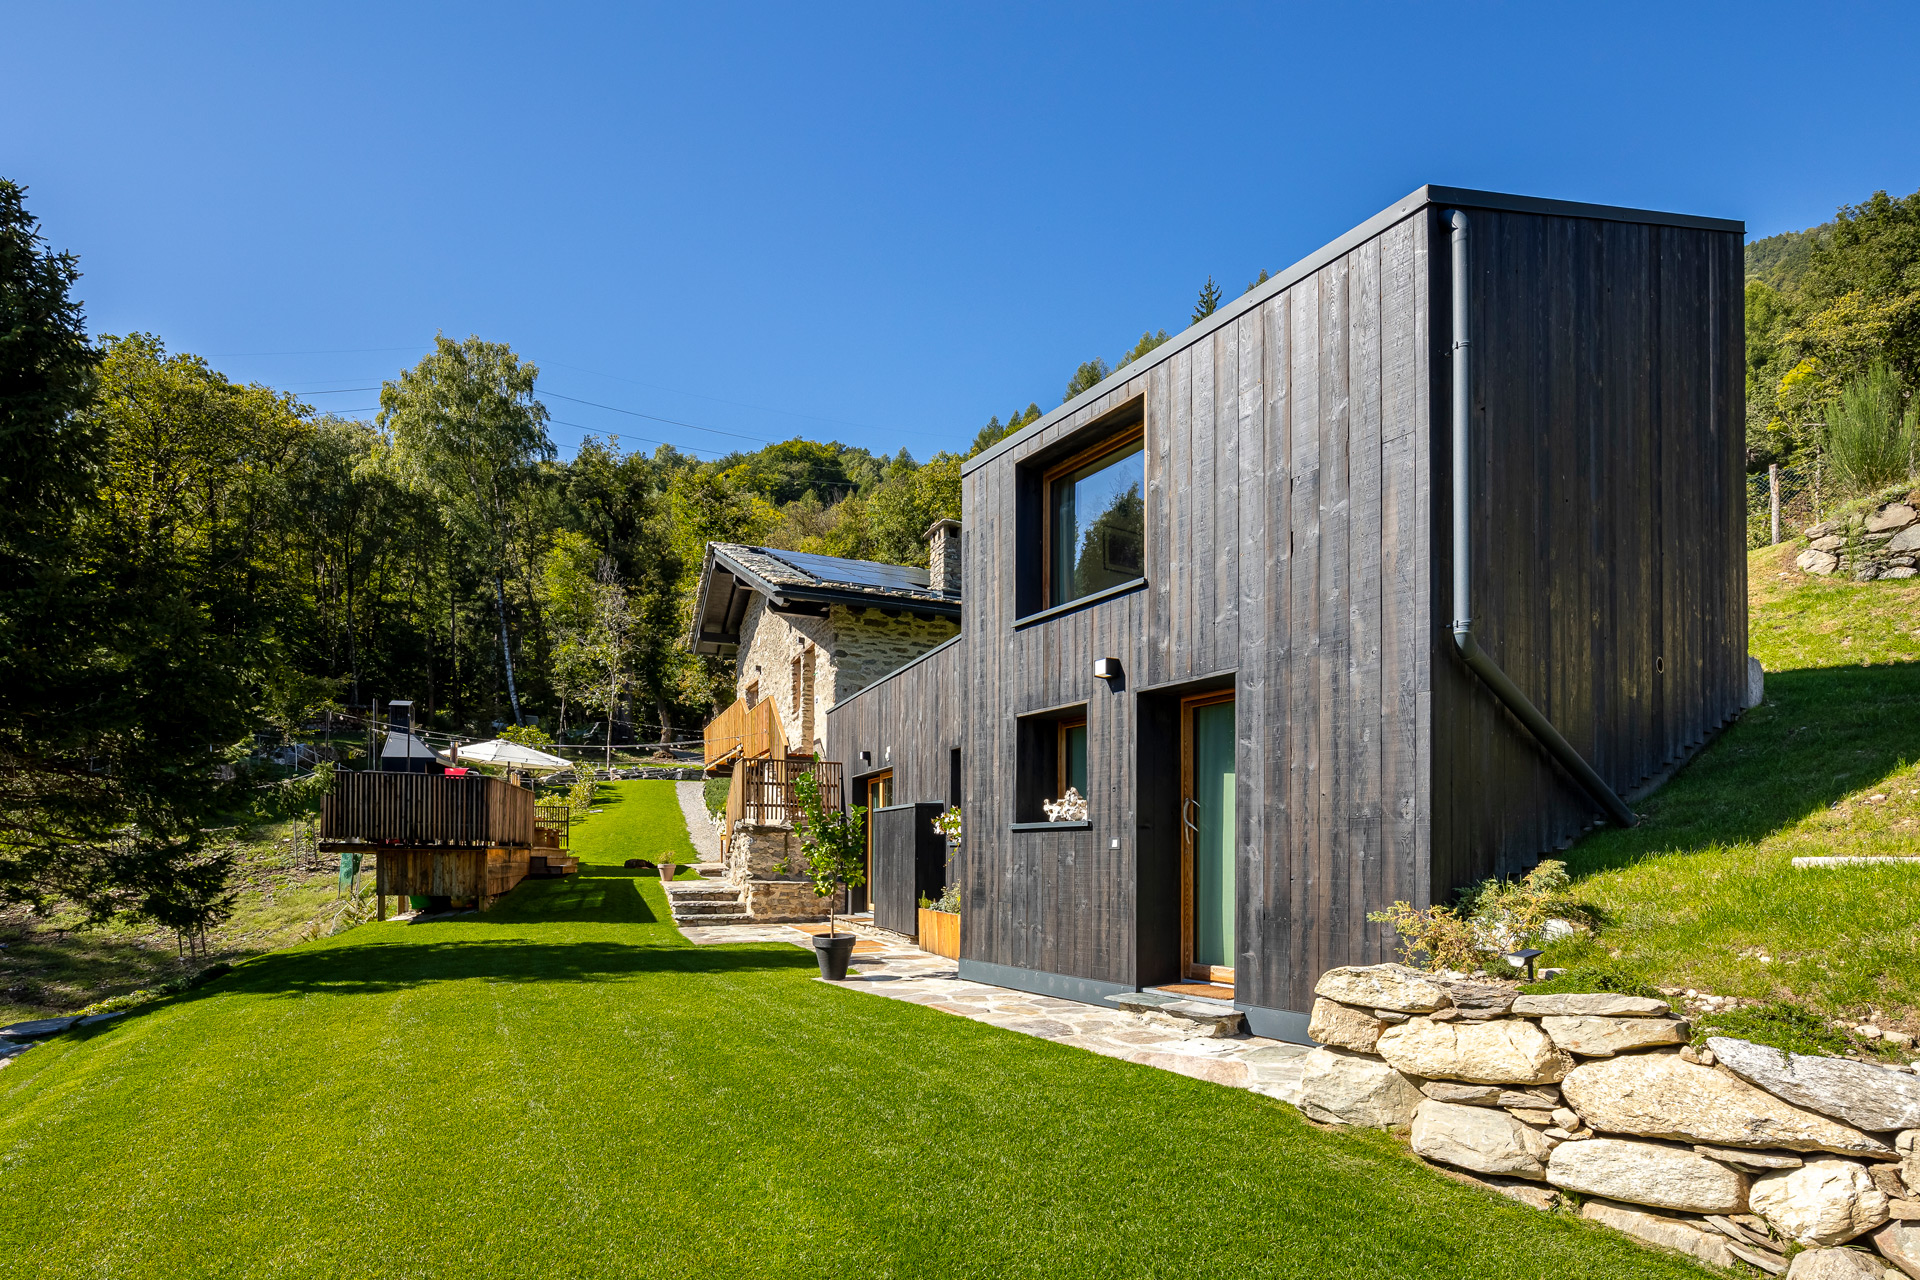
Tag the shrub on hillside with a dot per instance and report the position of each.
(1870, 432)
(1491, 918)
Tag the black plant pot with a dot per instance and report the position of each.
(833, 952)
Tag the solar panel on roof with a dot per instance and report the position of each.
(865, 573)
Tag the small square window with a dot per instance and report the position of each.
(1053, 756)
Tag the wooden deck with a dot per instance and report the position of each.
(465, 838)
(427, 809)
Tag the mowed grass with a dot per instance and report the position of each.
(1704, 894)
(566, 1088)
(634, 820)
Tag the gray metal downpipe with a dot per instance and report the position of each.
(1483, 666)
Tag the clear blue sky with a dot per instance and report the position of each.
(881, 225)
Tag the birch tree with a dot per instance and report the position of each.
(467, 429)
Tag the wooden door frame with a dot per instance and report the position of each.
(866, 795)
(1188, 969)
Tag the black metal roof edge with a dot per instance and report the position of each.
(1421, 197)
(915, 661)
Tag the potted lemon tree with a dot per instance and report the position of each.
(833, 851)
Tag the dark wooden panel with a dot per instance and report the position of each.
(908, 861)
(1610, 581)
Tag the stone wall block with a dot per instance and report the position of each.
(1478, 1138)
(1344, 1026)
(1835, 1264)
(1510, 1051)
(1865, 1096)
(1599, 1004)
(1653, 1229)
(1899, 1243)
(1393, 987)
(1649, 1173)
(1660, 1095)
(1346, 1088)
(1824, 1202)
(1596, 1037)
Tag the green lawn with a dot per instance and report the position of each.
(634, 820)
(566, 1088)
(1703, 893)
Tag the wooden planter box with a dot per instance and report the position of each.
(940, 933)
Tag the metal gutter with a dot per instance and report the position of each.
(1476, 658)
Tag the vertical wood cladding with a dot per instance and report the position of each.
(907, 721)
(1296, 505)
(1610, 566)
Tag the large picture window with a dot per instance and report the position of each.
(1096, 521)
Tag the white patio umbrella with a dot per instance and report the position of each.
(500, 751)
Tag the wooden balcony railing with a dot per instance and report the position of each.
(762, 793)
(427, 809)
(745, 733)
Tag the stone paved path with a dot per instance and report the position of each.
(901, 971)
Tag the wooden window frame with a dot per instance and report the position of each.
(1131, 434)
(1060, 730)
(1190, 971)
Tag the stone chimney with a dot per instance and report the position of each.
(943, 556)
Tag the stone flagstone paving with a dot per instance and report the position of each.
(898, 970)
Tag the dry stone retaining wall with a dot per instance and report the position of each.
(1882, 543)
(756, 863)
(1731, 1153)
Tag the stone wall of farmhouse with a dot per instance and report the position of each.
(807, 664)
(869, 644)
(770, 644)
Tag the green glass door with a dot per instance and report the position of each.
(1209, 828)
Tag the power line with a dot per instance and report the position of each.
(672, 422)
(738, 404)
(337, 351)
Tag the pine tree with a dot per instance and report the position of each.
(1209, 301)
(1264, 277)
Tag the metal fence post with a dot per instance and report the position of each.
(1773, 494)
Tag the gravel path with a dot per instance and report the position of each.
(706, 841)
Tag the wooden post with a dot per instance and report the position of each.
(381, 899)
(1773, 497)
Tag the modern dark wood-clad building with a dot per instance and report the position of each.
(1216, 596)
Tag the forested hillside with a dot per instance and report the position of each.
(1833, 345)
(192, 570)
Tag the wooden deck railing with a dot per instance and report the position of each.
(426, 809)
(762, 793)
(745, 733)
(551, 825)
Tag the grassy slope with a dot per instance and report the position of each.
(51, 966)
(566, 1088)
(1705, 887)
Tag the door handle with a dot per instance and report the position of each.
(1193, 828)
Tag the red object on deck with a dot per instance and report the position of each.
(456, 773)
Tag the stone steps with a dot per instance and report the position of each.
(704, 908)
(1215, 1017)
(705, 902)
(687, 891)
(728, 917)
